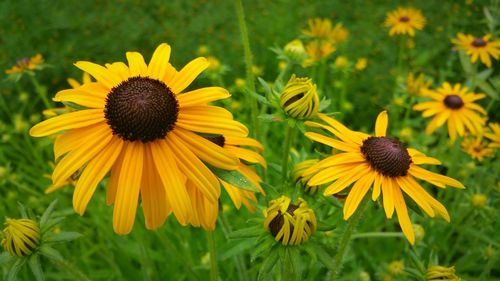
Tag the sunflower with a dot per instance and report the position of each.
(404, 21)
(205, 212)
(494, 135)
(478, 47)
(133, 121)
(455, 105)
(379, 161)
(476, 148)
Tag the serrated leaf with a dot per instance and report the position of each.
(246, 232)
(62, 237)
(268, 264)
(235, 178)
(46, 215)
(36, 267)
(14, 270)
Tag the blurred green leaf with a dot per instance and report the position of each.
(235, 178)
(62, 237)
(268, 264)
(36, 267)
(247, 232)
(15, 268)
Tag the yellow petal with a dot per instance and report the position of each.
(388, 196)
(67, 121)
(381, 124)
(80, 98)
(404, 219)
(159, 64)
(136, 64)
(357, 193)
(202, 96)
(187, 74)
(100, 73)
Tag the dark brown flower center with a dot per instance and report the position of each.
(277, 223)
(141, 109)
(387, 155)
(404, 19)
(479, 42)
(453, 101)
(218, 140)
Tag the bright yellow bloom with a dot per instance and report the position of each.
(298, 171)
(322, 29)
(341, 62)
(379, 161)
(361, 64)
(455, 105)
(478, 47)
(476, 148)
(339, 34)
(289, 223)
(26, 64)
(21, 236)
(139, 124)
(317, 51)
(415, 84)
(441, 273)
(404, 21)
(299, 98)
(494, 135)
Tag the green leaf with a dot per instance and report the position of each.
(248, 232)
(36, 267)
(235, 248)
(264, 245)
(46, 215)
(14, 270)
(265, 86)
(312, 253)
(485, 74)
(488, 89)
(62, 237)
(268, 264)
(295, 262)
(235, 178)
(323, 257)
(268, 118)
(22, 210)
(50, 253)
(5, 258)
(465, 62)
(51, 223)
(259, 98)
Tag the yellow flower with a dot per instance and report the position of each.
(479, 200)
(299, 98)
(455, 105)
(361, 64)
(415, 84)
(321, 29)
(494, 135)
(441, 273)
(341, 62)
(21, 237)
(282, 65)
(379, 161)
(317, 51)
(339, 34)
(404, 21)
(26, 64)
(476, 148)
(299, 170)
(240, 83)
(406, 133)
(203, 50)
(396, 267)
(295, 50)
(257, 70)
(139, 124)
(478, 47)
(289, 223)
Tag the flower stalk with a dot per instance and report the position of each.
(214, 272)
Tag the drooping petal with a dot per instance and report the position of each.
(404, 219)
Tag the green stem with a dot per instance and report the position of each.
(346, 238)
(286, 152)
(248, 61)
(240, 263)
(377, 235)
(407, 111)
(40, 91)
(214, 274)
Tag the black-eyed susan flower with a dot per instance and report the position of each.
(441, 273)
(298, 172)
(478, 47)
(404, 21)
(493, 135)
(454, 105)
(323, 30)
(21, 236)
(379, 161)
(318, 51)
(289, 223)
(134, 117)
(205, 212)
(299, 98)
(26, 64)
(416, 83)
(476, 148)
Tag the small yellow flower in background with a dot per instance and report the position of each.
(299, 170)
(317, 51)
(441, 273)
(282, 65)
(479, 200)
(257, 70)
(454, 104)
(21, 236)
(478, 47)
(26, 64)
(406, 133)
(240, 83)
(416, 83)
(476, 148)
(295, 51)
(361, 64)
(203, 50)
(419, 232)
(139, 120)
(410, 43)
(24, 97)
(396, 267)
(404, 21)
(339, 34)
(289, 223)
(341, 62)
(379, 161)
(494, 135)
(399, 101)
(322, 29)
(299, 98)
(214, 64)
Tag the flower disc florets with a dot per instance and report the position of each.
(386, 155)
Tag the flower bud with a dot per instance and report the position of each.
(21, 236)
(298, 172)
(437, 272)
(299, 99)
(295, 51)
(289, 223)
